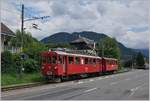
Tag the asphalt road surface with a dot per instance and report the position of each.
(133, 85)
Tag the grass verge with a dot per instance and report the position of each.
(11, 79)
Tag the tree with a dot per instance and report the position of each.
(27, 39)
(31, 46)
(108, 47)
(140, 59)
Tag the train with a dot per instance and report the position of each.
(60, 65)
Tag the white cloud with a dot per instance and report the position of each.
(113, 17)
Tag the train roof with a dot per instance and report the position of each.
(80, 55)
(109, 58)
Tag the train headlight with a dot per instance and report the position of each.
(49, 67)
(42, 67)
(55, 67)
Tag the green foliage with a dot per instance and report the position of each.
(108, 47)
(27, 39)
(6, 62)
(140, 59)
(128, 63)
(30, 66)
(17, 61)
(34, 49)
(31, 46)
(11, 79)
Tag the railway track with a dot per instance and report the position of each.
(21, 86)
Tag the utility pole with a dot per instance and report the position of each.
(22, 26)
(22, 31)
(24, 20)
(102, 50)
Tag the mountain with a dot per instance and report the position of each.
(145, 52)
(64, 37)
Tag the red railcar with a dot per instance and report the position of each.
(109, 64)
(59, 65)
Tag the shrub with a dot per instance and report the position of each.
(128, 63)
(6, 62)
(30, 66)
(17, 63)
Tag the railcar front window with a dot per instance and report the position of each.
(60, 59)
(54, 59)
(49, 59)
(44, 59)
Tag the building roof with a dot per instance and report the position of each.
(82, 39)
(6, 31)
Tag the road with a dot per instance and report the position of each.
(133, 85)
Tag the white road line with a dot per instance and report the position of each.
(90, 90)
(135, 89)
(107, 77)
(100, 78)
(128, 79)
(80, 82)
(91, 80)
(113, 83)
(11, 93)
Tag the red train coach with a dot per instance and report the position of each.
(109, 65)
(57, 65)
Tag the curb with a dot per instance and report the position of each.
(13, 87)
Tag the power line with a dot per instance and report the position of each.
(35, 18)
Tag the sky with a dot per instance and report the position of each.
(126, 20)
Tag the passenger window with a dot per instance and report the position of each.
(97, 61)
(54, 59)
(86, 60)
(94, 61)
(60, 60)
(70, 60)
(77, 60)
(100, 61)
(90, 61)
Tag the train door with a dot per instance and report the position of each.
(103, 65)
(65, 65)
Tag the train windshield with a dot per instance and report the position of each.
(49, 59)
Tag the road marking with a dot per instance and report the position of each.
(107, 77)
(80, 82)
(100, 78)
(128, 79)
(91, 80)
(113, 83)
(135, 89)
(89, 90)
